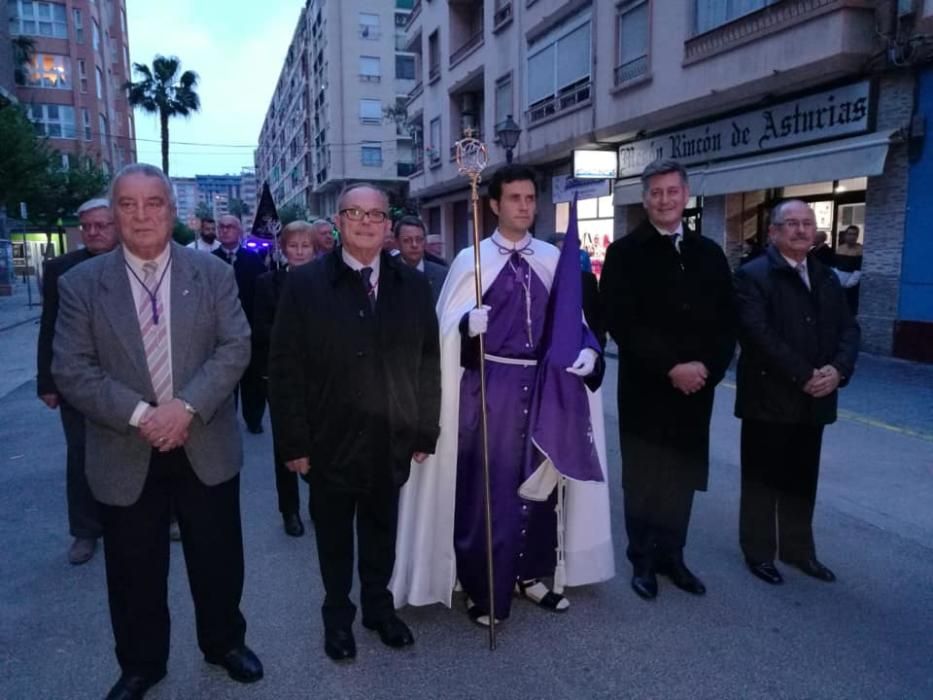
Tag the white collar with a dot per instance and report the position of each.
(793, 263)
(504, 242)
(679, 231)
(137, 262)
(356, 265)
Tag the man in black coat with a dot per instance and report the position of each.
(248, 265)
(354, 388)
(99, 236)
(668, 299)
(799, 344)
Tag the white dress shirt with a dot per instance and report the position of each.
(199, 244)
(356, 266)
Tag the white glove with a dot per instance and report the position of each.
(585, 363)
(478, 321)
(854, 279)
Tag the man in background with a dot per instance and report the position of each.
(410, 239)
(323, 237)
(98, 236)
(206, 240)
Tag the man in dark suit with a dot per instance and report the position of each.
(799, 344)
(668, 298)
(410, 235)
(155, 382)
(354, 387)
(248, 265)
(98, 236)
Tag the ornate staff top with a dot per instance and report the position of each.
(472, 155)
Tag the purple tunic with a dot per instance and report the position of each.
(524, 532)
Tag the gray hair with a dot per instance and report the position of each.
(359, 186)
(148, 171)
(662, 167)
(321, 223)
(92, 204)
(777, 213)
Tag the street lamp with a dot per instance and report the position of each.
(507, 131)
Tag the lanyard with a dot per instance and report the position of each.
(154, 293)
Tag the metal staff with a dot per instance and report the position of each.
(471, 160)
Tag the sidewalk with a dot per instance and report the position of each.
(15, 310)
(19, 333)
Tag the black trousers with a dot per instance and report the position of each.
(287, 488)
(136, 547)
(376, 517)
(658, 501)
(83, 512)
(780, 469)
(252, 394)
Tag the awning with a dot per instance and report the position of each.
(842, 159)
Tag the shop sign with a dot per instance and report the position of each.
(831, 114)
(595, 165)
(564, 187)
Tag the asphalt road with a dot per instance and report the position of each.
(869, 635)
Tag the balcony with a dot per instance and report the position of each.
(565, 100)
(502, 16)
(416, 92)
(471, 45)
(415, 11)
(434, 72)
(404, 169)
(631, 70)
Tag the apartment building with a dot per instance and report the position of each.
(761, 99)
(327, 123)
(7, 84)
(186, 197)
(73, 86)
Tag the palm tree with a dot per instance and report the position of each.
(159, 92)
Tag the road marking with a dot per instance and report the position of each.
(865, 420)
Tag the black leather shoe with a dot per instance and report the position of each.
(132, 687)
(339, 644)
(765, 571)
(241, 664)
(293, 526)
(683, 578)
(392, 631)
(645, 583)
(811, 567)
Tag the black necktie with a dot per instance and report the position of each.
(366, 274)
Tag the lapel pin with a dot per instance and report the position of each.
(184, 293)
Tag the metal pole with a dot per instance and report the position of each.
(471, 159)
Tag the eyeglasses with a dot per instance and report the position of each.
(795, 223)
(375, 215)
(87, 228)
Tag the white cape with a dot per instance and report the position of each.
(425, 563)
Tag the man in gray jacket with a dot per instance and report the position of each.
(149, 344)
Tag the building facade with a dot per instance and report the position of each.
(762, 100)
(73, 87)
(186, 197)
(330, 119)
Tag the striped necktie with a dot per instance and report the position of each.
(366, 273)
(155, 335)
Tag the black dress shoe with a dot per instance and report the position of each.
(765, 571)
(241, 664)
(293, 526)
(683, 578)
(645, 583)
(392, 631)
(132, 687)
(811, 567)
(339, 644)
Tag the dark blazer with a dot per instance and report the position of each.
(436, 275)
(100, 366)
(593, 309)
(664, 308)
(355, 390)
(52, 270)
(247, 268)
(785, 332)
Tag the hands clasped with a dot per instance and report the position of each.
(165, 427)
(585, 363)
(823, 382)
(689, 377)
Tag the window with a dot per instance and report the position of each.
(82, 74)
(54, 121)
(435, 143)
(123, 21)
(404, 67)
(371, 111)
(434, 56)
(371, 154)
(559, 68)
(38, 19)
(96, 34)
(86, 117)
(713, 13)
(100, 83)
(633, 42)
(51, 71)
(503, 98)
(79, 26)
(369, 68)
(369, 25)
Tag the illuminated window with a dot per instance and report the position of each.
(51, 71)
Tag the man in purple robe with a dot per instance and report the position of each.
(518, 271)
